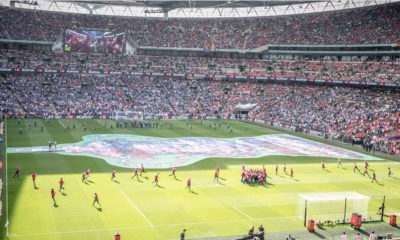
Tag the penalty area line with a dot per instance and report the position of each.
(133, 204)
(241, 212)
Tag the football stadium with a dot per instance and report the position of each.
(211, 120)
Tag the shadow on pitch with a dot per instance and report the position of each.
(55, 205)
(319, 235)
(64, 194)
(363, 232)
(116, 181)
(98, 209)
(255, 185)
(90, 181)
(193, 192)
(269, 184)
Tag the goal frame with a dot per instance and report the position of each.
(343, 201)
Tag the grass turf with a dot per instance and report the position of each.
(140, 210)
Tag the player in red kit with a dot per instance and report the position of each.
(188, 184)
(243, 174)
(366, 164)
(173, 173)
(365, 171)
(284, 168)
(53, 195)
(34, 179)
(83, 176)
(87, 173)
(265, 175)
(135, 174)
(141, 169)
(216, 176)
(113, 174)
(291, 173)
(17, 170)
(61, 184)
(276, 169)
(355, 167)
(217, 169)
(323, 164)
(96, 199)
(389, 171)
(374, 177)
(156, 179)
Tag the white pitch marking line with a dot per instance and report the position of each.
(143, 227)
(393, 183)
(6, 140)
(244, 214)
(58, 120)
(133, 204)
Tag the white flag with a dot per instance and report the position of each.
(6, 223)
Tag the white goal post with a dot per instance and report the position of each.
(332, 206)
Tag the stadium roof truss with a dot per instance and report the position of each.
(194, 9)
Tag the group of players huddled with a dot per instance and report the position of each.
(259, 176)
(254, 175)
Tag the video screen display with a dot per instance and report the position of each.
(94, 41)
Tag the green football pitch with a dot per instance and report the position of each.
(142, 210)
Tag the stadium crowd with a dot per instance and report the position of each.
(359, 26)
(384, 70)
(353, 115)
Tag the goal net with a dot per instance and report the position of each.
(331, 206)
(127, 115)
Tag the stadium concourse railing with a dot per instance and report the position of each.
(209, 76)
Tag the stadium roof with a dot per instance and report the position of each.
(170, 5)
(193, 8)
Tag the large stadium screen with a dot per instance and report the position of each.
(94, 41)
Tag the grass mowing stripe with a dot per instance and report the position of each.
(14, 235)
(6, 176)
(133, 204)
(171, 208)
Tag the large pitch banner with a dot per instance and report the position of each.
(94, 41)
